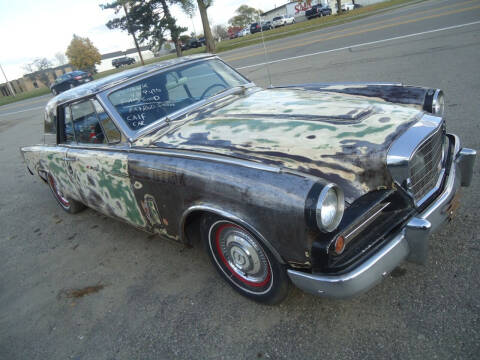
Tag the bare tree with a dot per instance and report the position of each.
(38, 70)
(220, 32)
(28, 68)
(60, 58)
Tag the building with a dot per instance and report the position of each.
(36, 80)
(297, 8)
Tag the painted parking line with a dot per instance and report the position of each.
(361, 44)
(309, 42)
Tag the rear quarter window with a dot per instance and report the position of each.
(50, 121)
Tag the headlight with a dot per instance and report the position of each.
(330, 206)
(434, 102)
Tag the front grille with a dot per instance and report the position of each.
(426, 166)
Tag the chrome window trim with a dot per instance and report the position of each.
(404, 147)
(133, 135)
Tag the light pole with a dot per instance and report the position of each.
(8, 82)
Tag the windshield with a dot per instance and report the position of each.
(277, 18)
(150, 99)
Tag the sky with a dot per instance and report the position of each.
(30, 29)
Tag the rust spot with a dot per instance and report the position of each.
(78, 293)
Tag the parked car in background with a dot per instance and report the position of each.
(192, 43)
(69, 81)
(255, 27)
(123, 61)
(289, 19)
(327, 186)
(318, 10)
(347, 7)
(244, 32)
(233, 31)
(283, 20)
(267, 25)
(202, 41)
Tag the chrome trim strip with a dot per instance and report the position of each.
(360, 227)
(227, 215)
(337, 84)
(209, 157)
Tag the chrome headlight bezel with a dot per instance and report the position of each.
(434, 102)
(326, 195)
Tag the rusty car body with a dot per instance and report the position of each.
(329, 186)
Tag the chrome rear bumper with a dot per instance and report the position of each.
(410, 244)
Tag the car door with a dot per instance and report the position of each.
(97, 164)
(55, 157)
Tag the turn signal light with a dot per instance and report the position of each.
(339, 244)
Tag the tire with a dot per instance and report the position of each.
(243, 261)
(54, 92)
(66, 203)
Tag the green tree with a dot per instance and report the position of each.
(245, 15)
(151, 20)
(83, 54)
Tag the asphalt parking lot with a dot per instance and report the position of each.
(161, 300)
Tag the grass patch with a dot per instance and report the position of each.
(22, 96)
(278, 33)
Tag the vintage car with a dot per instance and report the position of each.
(328, 186)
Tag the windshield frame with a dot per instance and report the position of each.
(133, 135)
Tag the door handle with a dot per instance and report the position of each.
(70, 159)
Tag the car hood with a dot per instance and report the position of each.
(338, 137)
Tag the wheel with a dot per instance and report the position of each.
(72, 86)
(293, 21)
(243, 261)
(69, 205)
(54, 92)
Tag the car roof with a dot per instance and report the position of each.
(109, 81)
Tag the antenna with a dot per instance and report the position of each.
(269, 76)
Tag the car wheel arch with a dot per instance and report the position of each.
(195, 213)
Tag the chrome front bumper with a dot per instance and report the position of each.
(410, 244)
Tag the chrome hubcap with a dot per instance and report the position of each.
(243, 255)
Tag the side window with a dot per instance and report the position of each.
(68, 135)
(111, 131)
(85, 123)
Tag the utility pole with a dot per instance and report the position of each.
(8, 82)
(133, 33)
